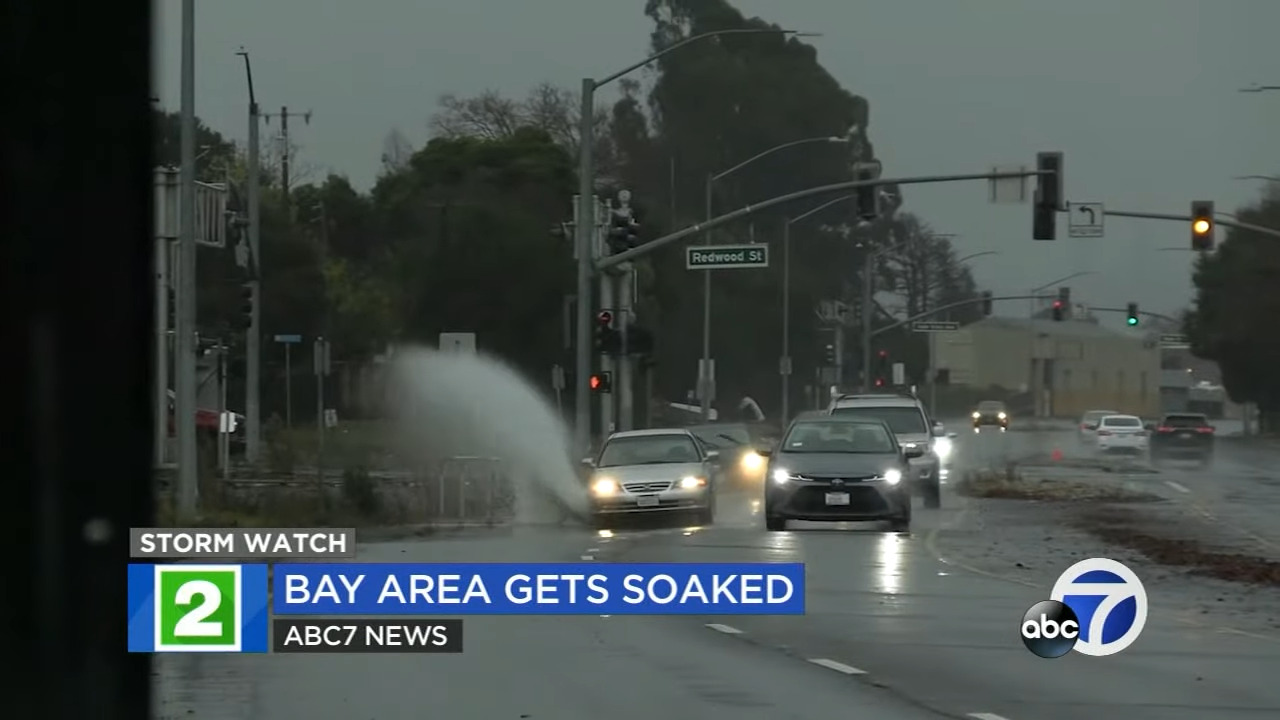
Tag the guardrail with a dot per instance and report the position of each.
(456, 490)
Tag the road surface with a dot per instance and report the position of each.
(892, 632)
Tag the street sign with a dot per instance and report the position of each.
(1085, 220)
(1174, 340)
(557, 377)
(899, 374)
(321, 358)
(832, 311)
(1010, 190)
(934, 326)
(460, 343)
(726, 257)
(289, 339)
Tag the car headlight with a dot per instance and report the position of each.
(752, 461)
(1002, 416)
(893, 476)
(781, 476)
(976, 415)
(691, 482)
(942, 447)
(604, 486)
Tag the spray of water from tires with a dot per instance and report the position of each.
(450, 405)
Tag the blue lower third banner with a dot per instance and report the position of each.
(197, 608)
(539, 589)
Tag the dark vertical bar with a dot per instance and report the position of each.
(75, 265)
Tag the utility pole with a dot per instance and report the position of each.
(253, 336)
(285, 149)
(185, 317)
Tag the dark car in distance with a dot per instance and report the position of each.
(839, 468)
(1187, 436)
(991, 412)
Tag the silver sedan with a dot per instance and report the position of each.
(645, 471)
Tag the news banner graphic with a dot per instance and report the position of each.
(1098, 607)
(309, 607)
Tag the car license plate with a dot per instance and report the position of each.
(837, 498)
(647, 501)
(1185, 436)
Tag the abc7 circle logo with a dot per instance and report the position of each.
(1050, 629)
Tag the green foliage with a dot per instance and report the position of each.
(1235, 305)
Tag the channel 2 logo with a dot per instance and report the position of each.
(1098, 607)
(197, 608)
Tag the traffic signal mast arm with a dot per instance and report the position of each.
(744, 211)
(951, 306)
(1144, 313)
(1225, 222)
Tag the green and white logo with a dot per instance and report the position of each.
(198, 608)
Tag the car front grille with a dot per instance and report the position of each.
(813, 500)
(647, 487)
(841, 478)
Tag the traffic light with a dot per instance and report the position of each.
(866, 199)
(1133, 314)
(602, 382)
(829, 355)
(986, 302)
(246, 306)
(624, 231)
(1048, 199)
(1202, 225)
(882, 366)
(172, 304)
(608, 339)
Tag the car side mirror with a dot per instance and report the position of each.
(713, 455)
(588, 462)
(1149, 427)
(912, 453)
(764, 452)
(939, 429)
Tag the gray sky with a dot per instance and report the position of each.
(1141, 95)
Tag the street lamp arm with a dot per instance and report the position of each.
(248, 72)
(823, 206)
(689, 40)
(1064, 278)
(766, 153)
(984, 253)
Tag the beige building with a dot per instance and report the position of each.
(1067, 367)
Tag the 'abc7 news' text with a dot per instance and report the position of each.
(379, 635)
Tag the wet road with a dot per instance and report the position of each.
(891, 632)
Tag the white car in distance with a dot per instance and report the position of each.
(1121, 433)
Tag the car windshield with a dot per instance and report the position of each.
(838, 437)
(902, 420)
(648, 450)
(722, 436)
(990, 406)
(1122, 422)
(1185, 421)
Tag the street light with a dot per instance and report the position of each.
(785, 363)
(984, 253)
(1266, 178)
(704, 372)
(586, 218)
(1256, 88)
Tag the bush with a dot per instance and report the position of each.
(359, 492)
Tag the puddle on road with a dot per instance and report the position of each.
(209, 687)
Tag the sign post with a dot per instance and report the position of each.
(933, 327)
(288, 341)
(321, 364)
(726, 257)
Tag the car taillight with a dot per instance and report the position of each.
(1084, 426)
(1164, 429)
(1207, 430)
(1104, 432)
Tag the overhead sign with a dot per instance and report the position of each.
(1085, 220)
(934, 326)
(726, 257)
(461, 343)
(1174, 340)
(289, 339)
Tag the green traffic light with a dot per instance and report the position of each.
(1133, 321)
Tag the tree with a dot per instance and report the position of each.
(1235, 302)
(215, 155)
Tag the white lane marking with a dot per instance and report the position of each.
(726, 629)
(837, 666)
(588, 557)
(986, 716)
(593, 550)
(1177, 486)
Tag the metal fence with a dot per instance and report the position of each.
(454, 490)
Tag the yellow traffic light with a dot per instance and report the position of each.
(1201, 226)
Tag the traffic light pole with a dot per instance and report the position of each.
(1225, 222)
(1157, 316)
(160, 439)
(607, 400)
(253, 335)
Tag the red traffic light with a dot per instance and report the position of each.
(595, 382)
(605, 318)
(1057, 304)
(879, 382)
(884, 353)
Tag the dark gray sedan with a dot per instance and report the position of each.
(838, 468)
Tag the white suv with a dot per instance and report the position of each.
(906, 416)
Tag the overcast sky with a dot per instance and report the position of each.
(1141, 95)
